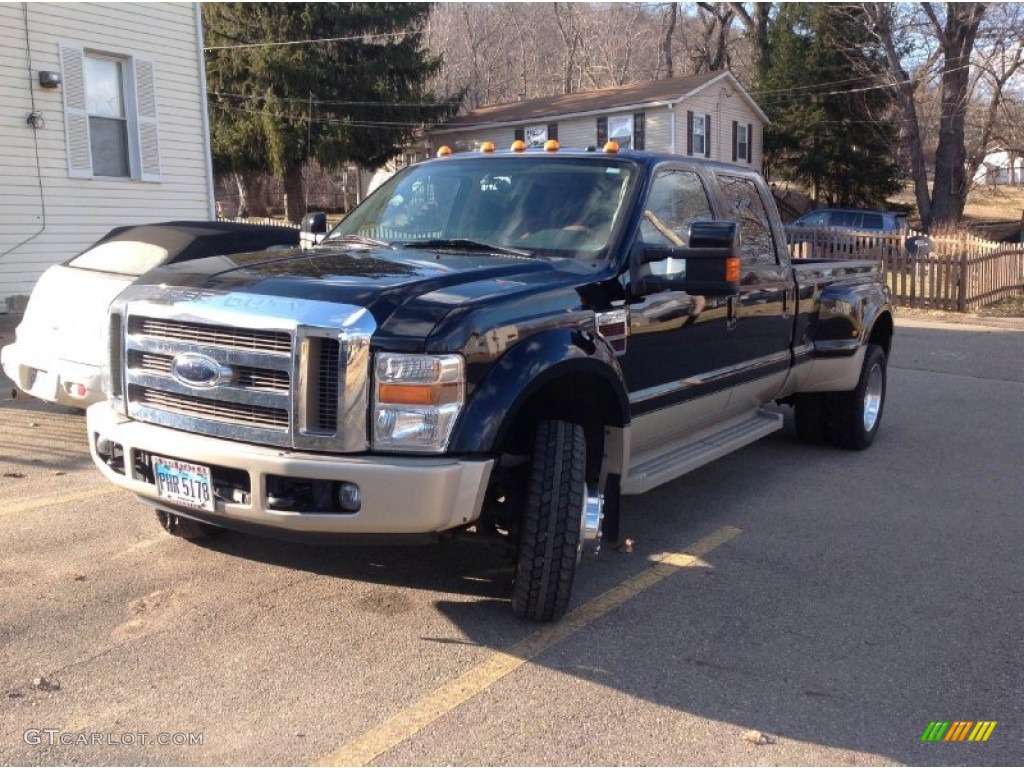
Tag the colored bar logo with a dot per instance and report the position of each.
(958, 730)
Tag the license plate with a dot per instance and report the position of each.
(182, 483)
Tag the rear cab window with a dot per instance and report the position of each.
(744, 204)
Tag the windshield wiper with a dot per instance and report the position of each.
(464, 244)
(357, 240)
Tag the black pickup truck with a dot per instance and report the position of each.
(495, 345)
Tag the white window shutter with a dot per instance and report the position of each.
(145, 100)
(76, 118)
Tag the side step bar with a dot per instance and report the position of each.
(687, 457)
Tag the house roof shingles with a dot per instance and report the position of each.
(621, 96)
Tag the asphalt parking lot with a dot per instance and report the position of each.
(785, 605)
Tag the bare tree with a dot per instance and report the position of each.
(716, 20)
(671, 15)
(956, 36)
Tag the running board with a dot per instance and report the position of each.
(689, 456)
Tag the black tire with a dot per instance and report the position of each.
(855, 416)
(186, 528)
(810, 417)
(549, 537)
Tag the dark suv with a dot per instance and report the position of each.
(854, 218)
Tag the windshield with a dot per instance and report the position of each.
(530, 204)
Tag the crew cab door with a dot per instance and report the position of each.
(761, 326)
(680, 360)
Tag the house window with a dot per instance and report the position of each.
(535, 135)
(741, 142)
(698, 134)
(110, 120)
(620, 130)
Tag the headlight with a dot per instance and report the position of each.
(416, 401)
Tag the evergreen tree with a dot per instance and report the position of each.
(338, 82)
(832, 127)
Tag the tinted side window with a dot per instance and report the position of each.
(677, 199)
(746, 207)
(872, 221)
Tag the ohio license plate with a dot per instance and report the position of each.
(182, 483)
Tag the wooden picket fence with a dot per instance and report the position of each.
(961, 273)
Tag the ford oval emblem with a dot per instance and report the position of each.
(198, 370)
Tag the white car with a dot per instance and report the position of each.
(58, 352)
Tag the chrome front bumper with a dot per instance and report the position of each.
(400, 495)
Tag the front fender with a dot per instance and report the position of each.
(525, 370)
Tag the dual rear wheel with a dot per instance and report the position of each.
(846, 419)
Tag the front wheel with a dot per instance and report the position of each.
(551, 530)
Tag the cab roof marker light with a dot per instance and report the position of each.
(487, 146)
(551, 145)
(611, 147)
(518, 146)
(444, 151)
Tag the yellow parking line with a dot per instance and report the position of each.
(47, 501)
(407, 723)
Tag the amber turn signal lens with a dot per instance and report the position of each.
(417, 394)
(732, 270)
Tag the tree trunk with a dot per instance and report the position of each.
(294, 202)
(949, 192)
(881, 15)
(666, 42)
(243, 196)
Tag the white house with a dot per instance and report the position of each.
(707, 115)
(1001, 166)
(104, 123)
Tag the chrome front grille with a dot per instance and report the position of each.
(287, 373)
(245, 376)
(207, 408)
(211, 335)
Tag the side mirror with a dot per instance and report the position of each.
(314, 228)
(712, 262)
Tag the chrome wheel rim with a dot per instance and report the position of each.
(873, 397)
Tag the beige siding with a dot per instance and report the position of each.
(723, 110)
(80, 210)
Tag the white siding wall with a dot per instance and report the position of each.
(79, 211)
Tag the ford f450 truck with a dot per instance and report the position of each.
(496, 344)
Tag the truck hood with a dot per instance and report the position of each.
(408, 291)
